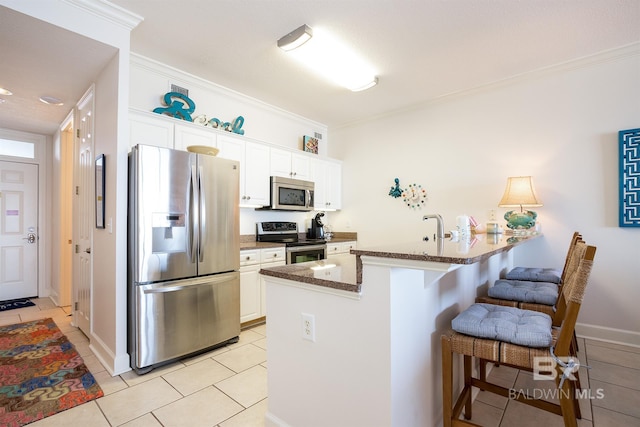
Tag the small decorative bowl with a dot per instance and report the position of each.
(203, 149)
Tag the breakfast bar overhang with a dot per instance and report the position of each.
(355, 341)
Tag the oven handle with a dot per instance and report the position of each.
(305, 248)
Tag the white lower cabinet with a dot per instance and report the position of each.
(339, 248)
(252, 287)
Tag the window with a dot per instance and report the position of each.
(13, 148)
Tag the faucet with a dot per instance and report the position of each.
(440, 225)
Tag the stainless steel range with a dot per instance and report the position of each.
(298, 249)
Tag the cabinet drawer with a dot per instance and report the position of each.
(249, 257)
(347, 246)
(272, 255)
(334, 248)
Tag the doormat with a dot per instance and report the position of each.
(41, 373)
(15, 303)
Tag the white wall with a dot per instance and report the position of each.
(559, 125)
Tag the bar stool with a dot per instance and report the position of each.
(515, 337)
(537, 296)
(537, 274)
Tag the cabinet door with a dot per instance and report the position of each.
(327, 176)
(333, 185)
(263, 287)
(250, 293)
(256, 174)
(301, 166)
(280, 163)
(148, 130)
(186, 135)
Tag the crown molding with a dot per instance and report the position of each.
(109, 11)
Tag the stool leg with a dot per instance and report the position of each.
(567, 402)
(482, 373)
(447, 382)
(467, 384)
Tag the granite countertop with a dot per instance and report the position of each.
(345, 271)
(454, 251)
(337, 272)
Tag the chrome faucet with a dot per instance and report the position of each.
(440, 225)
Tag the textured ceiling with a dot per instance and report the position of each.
(422, 50)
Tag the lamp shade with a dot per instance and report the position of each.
(519, 193)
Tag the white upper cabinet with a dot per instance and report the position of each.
(327, 175)
(163, 131)
(254, 169)
(190, 134)
(289, 164)
(148, 130)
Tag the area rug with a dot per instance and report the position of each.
(15, 303)
(41, 373)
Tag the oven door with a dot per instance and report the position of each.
(297, 254)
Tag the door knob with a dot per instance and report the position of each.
(31, 238)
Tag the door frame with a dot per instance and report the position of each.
(41, 158)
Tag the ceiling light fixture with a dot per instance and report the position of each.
(51, 100)
(325, 55)
(295, 38)
(4, 91)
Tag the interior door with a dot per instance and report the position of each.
(18, 230)
(83, 213)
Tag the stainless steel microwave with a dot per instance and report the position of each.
(291, 194)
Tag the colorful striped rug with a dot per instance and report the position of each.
(41, 373)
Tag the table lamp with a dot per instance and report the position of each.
(520, 193)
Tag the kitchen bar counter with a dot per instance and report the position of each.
(366, 352)
(345, 272)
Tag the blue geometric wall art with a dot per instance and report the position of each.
(629, 141)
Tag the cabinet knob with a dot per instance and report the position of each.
(248, 197)
(248, 258)
(275, 255)
(244, 197)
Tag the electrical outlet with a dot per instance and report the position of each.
(492, 215)
(309, 327)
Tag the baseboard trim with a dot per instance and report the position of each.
(273, 421)
(612, 335)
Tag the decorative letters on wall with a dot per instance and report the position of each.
(629, 143)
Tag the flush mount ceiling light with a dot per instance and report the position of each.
(51, 100)
(295, 38)
(4, 91)
(325, 55)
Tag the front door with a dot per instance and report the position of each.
(18, 230)
(83, 213)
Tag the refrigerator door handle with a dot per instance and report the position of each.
(203, 214)
(192, 220)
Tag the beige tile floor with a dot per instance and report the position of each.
(228, 387)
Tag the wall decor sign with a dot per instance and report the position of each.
(629, 146)
(181, 107)
(310, 144)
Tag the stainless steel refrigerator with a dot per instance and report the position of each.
(183, 255)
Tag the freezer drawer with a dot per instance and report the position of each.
(174, 319)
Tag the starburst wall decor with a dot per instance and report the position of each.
(414, 196)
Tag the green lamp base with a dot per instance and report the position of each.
(521, 220)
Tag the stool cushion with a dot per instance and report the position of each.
(534, 274)
(523, 291)
(514, 325)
